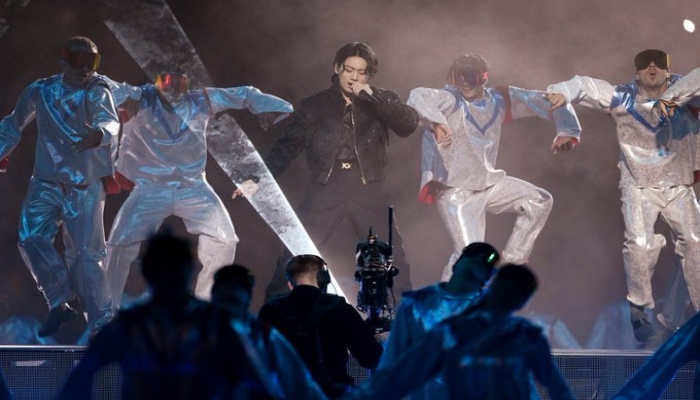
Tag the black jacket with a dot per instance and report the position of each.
(340, 329)
(317, 125)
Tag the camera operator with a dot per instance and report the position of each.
(322, 327)
(422, 309)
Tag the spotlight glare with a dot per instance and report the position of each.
(688, 25)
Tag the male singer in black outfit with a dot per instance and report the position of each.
(344, 130)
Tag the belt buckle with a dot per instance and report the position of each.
(345, 165)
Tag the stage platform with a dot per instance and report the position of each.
(37, 372)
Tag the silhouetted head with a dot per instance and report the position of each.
(476, 263)
(168, 264)
(512, 287)
(307, 269)
(233, 288)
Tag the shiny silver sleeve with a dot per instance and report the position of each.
(430, 104)
(528, 103)
(103, 115)
(11, 126)
(122, 91)
(685, 89)
(589, 92)
(238, 98)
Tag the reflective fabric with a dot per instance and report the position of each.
(479, 357)
(79, 211)
(61, 113)
(419, 312)
(65, 190)
(641, 207)
(164, 152)
(466, 167)
(143, 212)
(653, 153)
(657, 160)
(464, 214)
(686, 90)
(470, 161)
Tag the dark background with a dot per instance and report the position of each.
(286, 48)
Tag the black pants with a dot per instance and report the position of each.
(338, 216)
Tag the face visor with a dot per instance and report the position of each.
(81, 60)
(645, 58)
(173, 83)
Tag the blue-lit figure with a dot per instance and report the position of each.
(483, 353)
(162, 158)
(460, 145)
(76, 146)
(174, 346)
(232, 292)
(658, 156)
(421, 310)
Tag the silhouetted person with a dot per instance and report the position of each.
(659, 370)
(657, 161)
(483, 353)
(76, 147)
(174, 346)
(459, 150)
(321, 327)
(344, 131)
(422, 309)
(232, 291)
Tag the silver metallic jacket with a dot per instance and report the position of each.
(170, 148)
(686, 90)
(470, 161)
(654, 151)
(61, 114)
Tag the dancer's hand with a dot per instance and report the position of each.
(89, 139)
(563, 144)
(556, 99)
(443, 134)
(666, 107)
(267, 119)
(246, 189)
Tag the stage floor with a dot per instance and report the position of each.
(37, 372)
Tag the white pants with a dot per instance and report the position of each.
(641, 207)
(142, 214)
(464, 214)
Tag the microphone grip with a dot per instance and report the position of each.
(364, 96)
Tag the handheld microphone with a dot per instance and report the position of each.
(364, 96)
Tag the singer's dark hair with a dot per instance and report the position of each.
(357, 49)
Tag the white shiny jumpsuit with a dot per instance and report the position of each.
(462, 177)
(657, 160)
(66, 189)
(164, 153)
